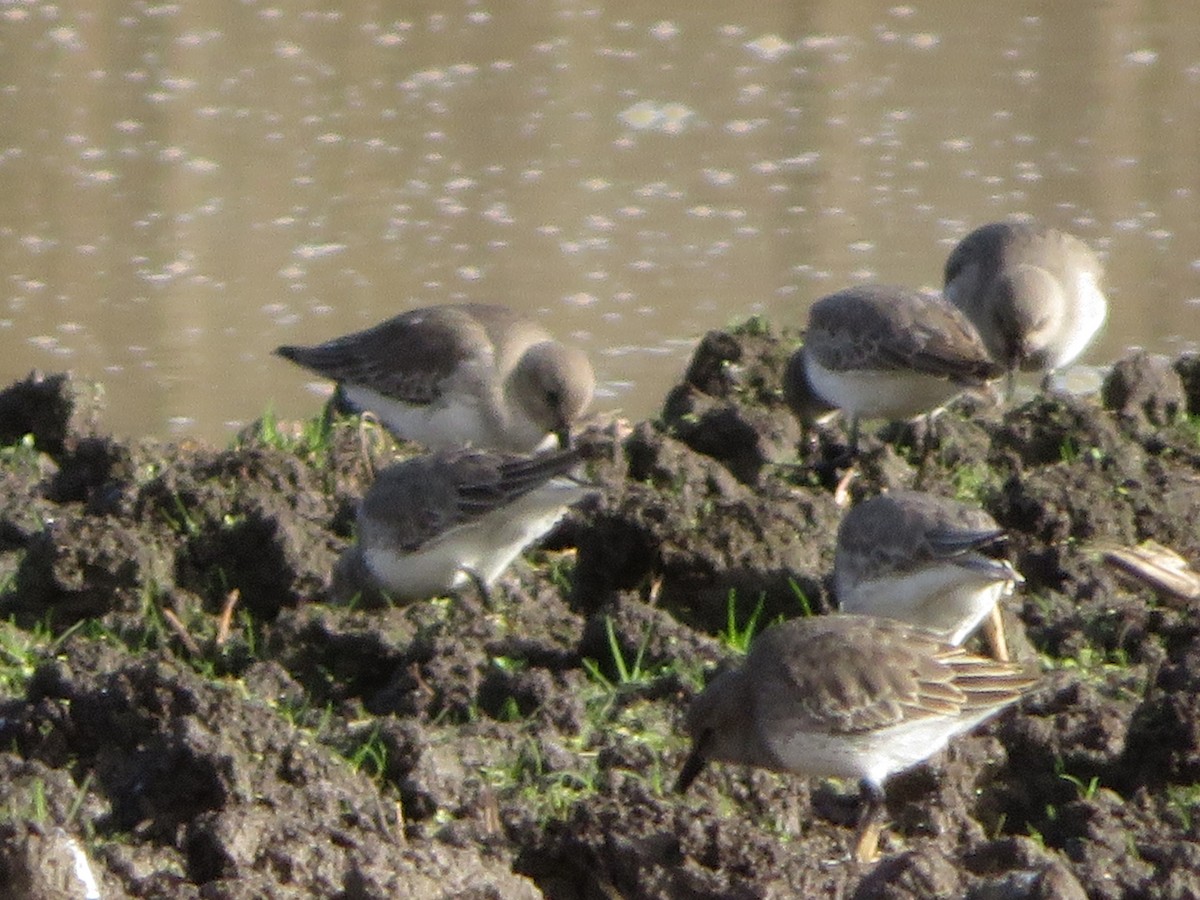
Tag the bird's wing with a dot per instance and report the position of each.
(408, 358)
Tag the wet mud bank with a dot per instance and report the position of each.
(182, 706)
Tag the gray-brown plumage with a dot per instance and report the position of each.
(916, 557)
(472, 373)
(881, 352)
(846, 696)
(430, 524)
(1032, 292)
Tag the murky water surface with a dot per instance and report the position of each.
(184, 186)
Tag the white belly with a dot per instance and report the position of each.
(893, 394)
(947, 598)
(428, 573)
(485, 547)
(435, 425)
(457, 419)
(874, 755)
(1091, 309)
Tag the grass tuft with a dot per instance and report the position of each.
(738, 637)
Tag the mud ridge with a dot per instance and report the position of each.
(181, 705)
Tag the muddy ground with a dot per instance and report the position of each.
(179, 701)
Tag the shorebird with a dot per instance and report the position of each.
(915, 557)
(430, 524)
(799, 395)
(880, 352)
(846, 696)
(1033, 293)
(446, 376)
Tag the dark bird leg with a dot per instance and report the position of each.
(929, 440)
(485, 593)
(846, 459)
(853, 437)
(841, 492)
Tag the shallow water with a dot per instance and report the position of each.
(185, 188)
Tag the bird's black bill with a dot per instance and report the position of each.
(691, 768)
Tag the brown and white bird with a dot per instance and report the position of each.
(916, 557)
(881, 352)
(845, 696)
(468, 374)
(431, 524)
(1033, 293)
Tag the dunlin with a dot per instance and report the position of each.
(846, 696)
(455, 375)
(916, 557)
(1033, 293)
(879, 352)
(430, 524)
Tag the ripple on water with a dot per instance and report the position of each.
(769, 47)
(671, 117)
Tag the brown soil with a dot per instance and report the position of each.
(452, 749)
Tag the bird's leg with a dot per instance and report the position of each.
(929, 438)
(870, 822)
(993, 634)
(485, 593)
(810, 438)
(848, 458)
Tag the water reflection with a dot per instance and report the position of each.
(187, 186)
